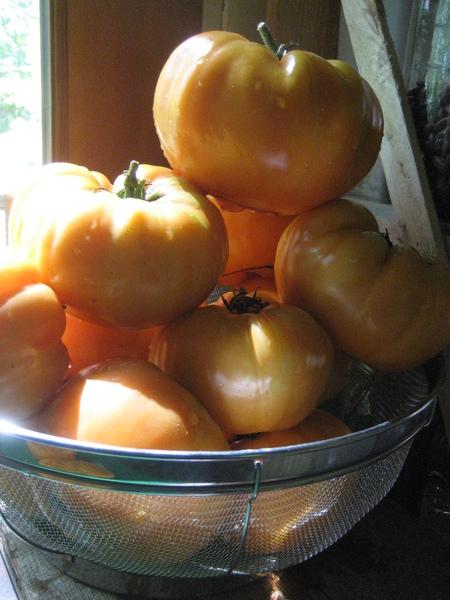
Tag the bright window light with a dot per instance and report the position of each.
(20, 90)
(20, 94)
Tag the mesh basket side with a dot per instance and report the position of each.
(193, 536)
(289, 526)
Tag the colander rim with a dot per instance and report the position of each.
(29, 435)
(366, 444)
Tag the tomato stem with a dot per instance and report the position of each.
(132, 187)
(135, 188)
(241, 303)
(267, 37)
(269, 41)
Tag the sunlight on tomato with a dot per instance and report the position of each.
(136, 255)
(264, 369)
(130, 402)
(284, 134)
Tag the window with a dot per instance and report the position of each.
(20, 89)
(20, 95)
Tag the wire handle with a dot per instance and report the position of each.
(257, 465)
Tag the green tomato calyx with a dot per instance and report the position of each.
(243, 303)
(135, 188)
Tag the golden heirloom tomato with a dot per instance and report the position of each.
(318, 425)
(383, 304)
(135, 258)
(130, 402)
(273, 134)
(33, 359)
(89, 343)
(252, 238)
(255, 367)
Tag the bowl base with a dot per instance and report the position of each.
(145, 586)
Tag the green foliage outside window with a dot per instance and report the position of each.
(16, 19)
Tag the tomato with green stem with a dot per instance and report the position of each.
(256, 366)
(281, 131)
(136, 254)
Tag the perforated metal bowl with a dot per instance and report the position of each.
(215, 514)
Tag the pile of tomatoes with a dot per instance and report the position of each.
(109, 330)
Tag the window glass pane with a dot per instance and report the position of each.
(20, 91)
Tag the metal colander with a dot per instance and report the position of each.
(215, 514)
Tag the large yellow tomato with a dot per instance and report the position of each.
(33, 359)
(135, 258)
(383, 304)
(255, 367)
(265, 289)
(318, 425)
(275, 134)
(130, 402)
(89, 343)
(252, 238)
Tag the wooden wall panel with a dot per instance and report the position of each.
(313, 25)
(106, 57)
(105, 68)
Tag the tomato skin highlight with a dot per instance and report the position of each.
(273, 135)
(382, 304)
(124, 261)
(253, 372)
(131, 403)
